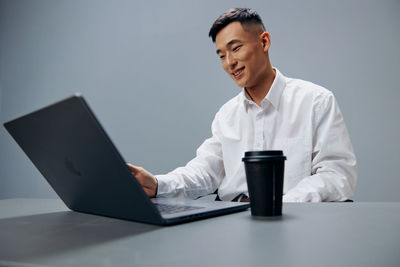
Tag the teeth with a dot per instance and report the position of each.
(237, 72)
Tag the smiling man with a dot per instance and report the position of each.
(273, 112)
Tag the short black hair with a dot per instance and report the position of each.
(243, 15)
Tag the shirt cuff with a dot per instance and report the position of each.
(164, 187)
(299, 194)
(291, 198)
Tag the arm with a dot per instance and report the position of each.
(334, 167)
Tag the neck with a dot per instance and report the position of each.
(258, 92)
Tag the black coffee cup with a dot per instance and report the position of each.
(264, 175)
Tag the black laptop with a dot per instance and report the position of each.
(72, 151)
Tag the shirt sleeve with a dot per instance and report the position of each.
(201, 176)
(334, 167)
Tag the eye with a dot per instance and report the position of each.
(221, 56)
(237, 48)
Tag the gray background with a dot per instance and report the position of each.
(151, 75)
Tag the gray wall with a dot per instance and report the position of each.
(151, 75)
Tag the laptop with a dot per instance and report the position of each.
(72, 151)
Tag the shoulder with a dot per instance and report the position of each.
(301, 90)
(232, 106)
(227, 115)
(298, 86)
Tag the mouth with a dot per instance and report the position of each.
(237, 73)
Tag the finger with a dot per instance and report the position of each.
(133, 168)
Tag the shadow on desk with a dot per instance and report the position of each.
(38, 236)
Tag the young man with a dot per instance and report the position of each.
(272, 112)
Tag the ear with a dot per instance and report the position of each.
(266, 41)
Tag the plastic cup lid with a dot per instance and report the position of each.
(263, 155)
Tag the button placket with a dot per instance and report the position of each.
(259, 136)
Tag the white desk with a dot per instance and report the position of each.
(42, 232)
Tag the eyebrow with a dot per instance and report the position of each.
(229, 44)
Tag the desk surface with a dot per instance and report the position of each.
(43, 232)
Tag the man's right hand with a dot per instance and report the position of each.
(146, 179)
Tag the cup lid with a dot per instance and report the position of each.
(263, 155)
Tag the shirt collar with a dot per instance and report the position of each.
(276, 90)
(274, 93)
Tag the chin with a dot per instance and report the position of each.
(240, 84)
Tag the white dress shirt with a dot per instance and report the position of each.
(298, 117)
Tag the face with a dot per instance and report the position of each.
(243, 54)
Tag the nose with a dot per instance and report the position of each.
(231, 61)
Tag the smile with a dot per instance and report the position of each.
(237, 73)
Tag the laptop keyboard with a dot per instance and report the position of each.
(169, 209)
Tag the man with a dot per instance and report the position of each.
(272, 112)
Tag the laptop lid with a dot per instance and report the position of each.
(72, 151)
